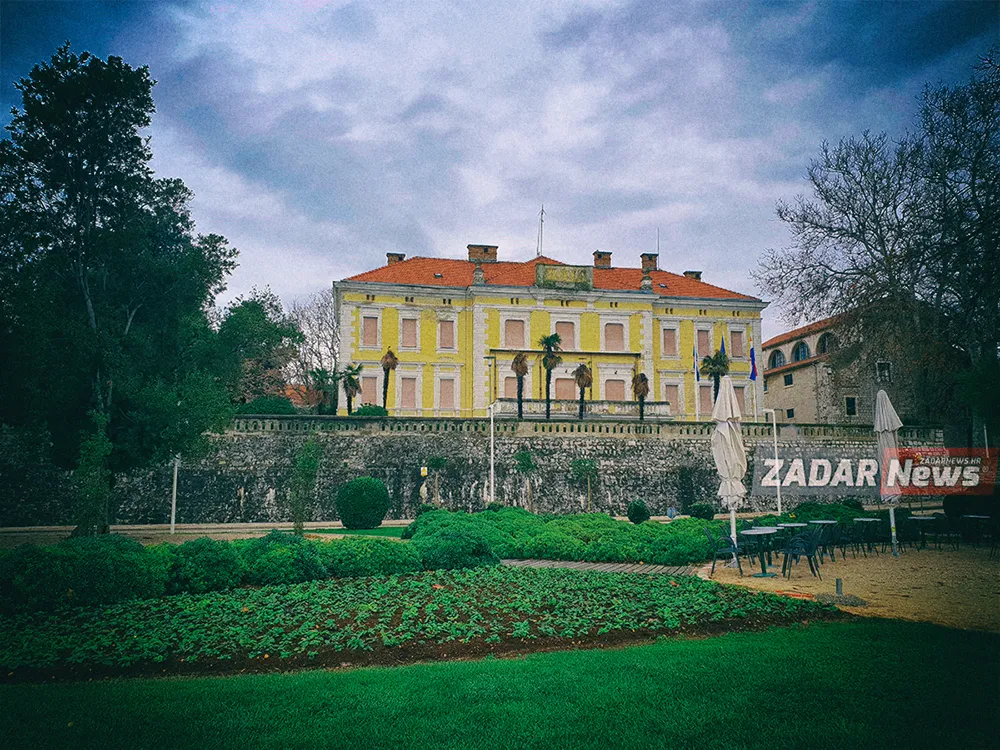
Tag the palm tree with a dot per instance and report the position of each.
(550, 344)
(389, 362)
(520, 368)
(715, 367)
(352, 384)
(583, 381)
(327, 384)
(640, 389)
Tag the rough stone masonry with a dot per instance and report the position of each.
(245, 476)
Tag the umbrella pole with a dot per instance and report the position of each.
(892, 526)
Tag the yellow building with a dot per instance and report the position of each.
(456, 325)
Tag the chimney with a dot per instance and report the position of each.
(483, 253)
(602, 259)
(392, 258)
(649, 261)
(696, 275)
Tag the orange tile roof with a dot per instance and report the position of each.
(453, 272)
(801, 332)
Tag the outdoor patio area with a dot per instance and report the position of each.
(957, 588)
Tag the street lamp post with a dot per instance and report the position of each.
(774, 435)
(493, 487)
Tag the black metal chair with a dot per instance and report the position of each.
(947, 530)
(724, 547)
(829, 538)
(802, 545)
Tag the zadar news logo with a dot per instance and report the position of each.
(939, 471)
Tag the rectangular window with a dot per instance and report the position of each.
(705, 402)
(851, 406)
(669, 342)
(567, 334)
(408, 393)
(705, 344)
(614, 390)
(741, 398)
(408, 337)
(765, 385)
(789, 380)
(883, 372)
(446, 393)
(736, 341)
(513, 332)
(672, 394)
(614, 337)
(510, 387)
(369, 331)
(566, 389)
(446, 334)
(369, 390)
(789, 413)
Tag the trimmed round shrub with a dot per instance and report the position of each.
(85, 570)
(552, 545)
(362, 503)
(267, 405)
(370, 410)
(281, 558)
(454, 547)
(205, 565)
(701, 510)
(638, 512)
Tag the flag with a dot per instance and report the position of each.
(697, 372)
(753, 364)
(723, 349)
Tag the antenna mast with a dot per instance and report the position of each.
(657, 240)
(541, 223)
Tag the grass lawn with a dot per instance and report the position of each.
(867, 684)
(393, 531)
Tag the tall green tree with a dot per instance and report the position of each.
(584, 379)
(640, 389)
(715, 367)
(551, 346)
(104, 284)
(520, 367)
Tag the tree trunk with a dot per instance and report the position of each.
(348, 404)
(642, 408)
(715, 384)
(520, 397)
(581, 403)
(385, 389)
(336, 400)
(548, 399)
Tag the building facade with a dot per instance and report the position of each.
(457, 324)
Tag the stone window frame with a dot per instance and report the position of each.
(625, 321)
(888, 370)
(415, 371)
(740, 328)
(378, 374)
(675, 325)
(442, 317)
(408, 315)
(610, 371)
(567, 317)
(619, 378)
(711, 338)
(788, 380)
(504, 371)
(369, 312)
(702, 415)
(847, 412)
(525, 318)
(447, 372)
(678, 380)
(790, 413)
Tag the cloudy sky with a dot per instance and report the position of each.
(318, 135)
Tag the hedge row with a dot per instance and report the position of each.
(112, 568)
(594, 537)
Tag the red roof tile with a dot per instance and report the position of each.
(452, 272)
(798, 333)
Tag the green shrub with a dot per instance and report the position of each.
(494, 507)
(362, 503)
(85, 570)
(425, 508)
(701, 510)
(453, 547)
(553, 545)
(267, 405)
(205, 565)
(357, 556)
(638, 512)
(854, 503)
(370, 410)
(281, 558)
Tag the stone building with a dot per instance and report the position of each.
(457, 324)
(810, 379)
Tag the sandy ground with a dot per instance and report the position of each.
(959, 589)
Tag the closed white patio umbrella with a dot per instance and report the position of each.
(887, 424)
(728, 451)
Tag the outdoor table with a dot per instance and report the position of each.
(866, 520)
(792, 525)
(828, 523)
(923, 533)
(762, 531)
(978, 518)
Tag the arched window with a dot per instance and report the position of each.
(777, 359)
(800, 352)
(826, 344)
